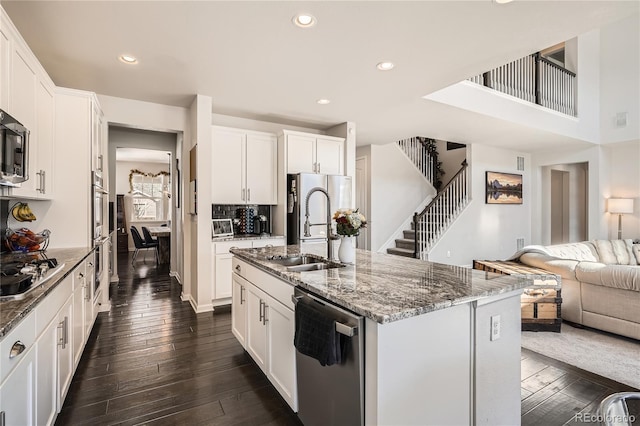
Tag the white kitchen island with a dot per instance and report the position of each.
(430, 355)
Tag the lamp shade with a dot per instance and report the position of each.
(620, 205)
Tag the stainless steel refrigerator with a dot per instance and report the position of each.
(298, 186)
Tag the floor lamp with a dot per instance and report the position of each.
(620, 206)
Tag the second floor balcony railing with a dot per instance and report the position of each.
(534, 79)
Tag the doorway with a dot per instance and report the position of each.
(362, 178)
(568, 202)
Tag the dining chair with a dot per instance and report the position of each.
(141, 244)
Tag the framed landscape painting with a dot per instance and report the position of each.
(503, 188)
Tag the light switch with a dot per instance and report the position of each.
(495, 327)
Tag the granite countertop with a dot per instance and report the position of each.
(13, 311)
(241, 237)
(386, 288)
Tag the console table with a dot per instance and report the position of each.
(541, 303)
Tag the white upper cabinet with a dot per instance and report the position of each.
(244, 167)
(309, 153)
(27, 94)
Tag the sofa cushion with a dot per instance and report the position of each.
(574, 251)
(564, 267)
(606, 254)
(625, 277)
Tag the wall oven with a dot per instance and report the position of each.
(100, 196)
(14, 151)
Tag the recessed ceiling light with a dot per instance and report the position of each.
(385, 66)
(323, 101)
(304, 20)
(502, 1)
(128, 59)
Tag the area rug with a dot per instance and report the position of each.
(600, 353)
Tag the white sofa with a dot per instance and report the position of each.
(600, 282)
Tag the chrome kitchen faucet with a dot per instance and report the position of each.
(307, 225)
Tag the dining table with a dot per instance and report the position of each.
(163, 234)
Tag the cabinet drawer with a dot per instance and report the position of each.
(223, 247)
(25, 332)
(54, 301)
(275, 287)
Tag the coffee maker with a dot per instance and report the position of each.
(261, 225)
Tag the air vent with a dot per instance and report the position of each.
(519, 243)
(520, 163)
(621, 119)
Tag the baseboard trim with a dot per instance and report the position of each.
(176, 275)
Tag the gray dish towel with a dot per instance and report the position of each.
(316, 335)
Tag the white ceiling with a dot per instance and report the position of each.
(255, 63)
(139, 155)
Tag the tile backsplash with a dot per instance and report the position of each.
(228, 211)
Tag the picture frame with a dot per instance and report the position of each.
(221, 228)
(503, 188)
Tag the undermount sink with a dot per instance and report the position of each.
(306, 263)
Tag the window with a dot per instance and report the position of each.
(150, 194)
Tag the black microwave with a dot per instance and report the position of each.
(14, 151)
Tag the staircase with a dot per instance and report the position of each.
(431, 223)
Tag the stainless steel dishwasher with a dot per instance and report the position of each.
(332, 395)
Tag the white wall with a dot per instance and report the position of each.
(397, 189)
(625, 183)
(620, 79)
(451, 160)
(487, 231)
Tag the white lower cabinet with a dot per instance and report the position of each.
(263, 322)
(239, 309)
(18, 391)
(47, 345)
(222, 275)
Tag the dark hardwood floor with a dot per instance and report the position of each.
(152, 360)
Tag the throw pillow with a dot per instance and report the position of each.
(636, 252)
(605, 252)
(632, 257)
(620, 251)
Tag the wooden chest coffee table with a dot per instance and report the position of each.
(541, 303)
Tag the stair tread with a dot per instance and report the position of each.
(400, 251)
(404, 240)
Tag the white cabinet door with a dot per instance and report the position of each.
(46, 368)
(5, 66)
(261, 167)
(301, 154)
(23, 91)
(329, 156)
(239, 309)
(256, 326)
(228, 185)
(65, 352)
(281, 357)
(18, 392)
(78, 312)
(43, 179)
(222, 276)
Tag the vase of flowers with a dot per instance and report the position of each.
(348, 225)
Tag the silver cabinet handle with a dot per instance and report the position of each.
(80, 275)
(243, 194)
(39, 187)
(17, 348)
(63, 326)
(238, 268)
(261, 312)
(248, 194)
(318, 167)
(315, 167)
(264, 315)
(242, 295)
(100, 162)
(43, 176)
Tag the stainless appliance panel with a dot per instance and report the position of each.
(14, 151)
(339, 188)
(332, 395)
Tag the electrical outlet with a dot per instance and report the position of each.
(448, 253)
(495, 327)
